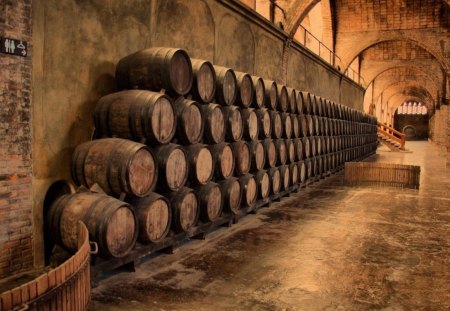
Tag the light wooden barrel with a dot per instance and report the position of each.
(234, 125)
(312, 146)
(226, 86)
(292, 93)
(251, 124)
(318, 143)
(302, 174)
(275, 180)
(258, 155)
(200, 163)
(271, 152)
(214, 124)
(231, 194)
(308, 168)
(136, 115)
(315, 124)
(303, 123)
(282, 155)
(223, 160)
(249, 189)
(306, 102)
(299, 102)
(245, 89)
(286, 122)
(285, 177)
(173, 167)
(283, 98)
(298, 147)
(189, 121)
(185, 209)
(313, 105)
(242, 157)
(306, 147)
(111, 223)
(116, 165)
(259, 100)
(263, 184)
(293, 170)
(295, 125)
(155, 69)
(204, 82)
(309, 125)
(210, 199)
(277, 125)
(271, 94)
(290, 150)
(264, 123)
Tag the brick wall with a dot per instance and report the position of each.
(16, 253)
(439, 127)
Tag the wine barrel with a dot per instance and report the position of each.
(258, 155)
(210, 199)
(277, 125)
(271, 94)
(259, 100)
(315, 124)
(136, 115)
(318, 101)
(275, 180)
(154, 216)
(111, 223)
(285, 177)
(189, 121)
(201, 164)
(242, 157)
(303, 123)
(249, 190)
(309, 125)
(292, 93)
(293, 170)
(312, 146)
(264, 123)
(306, 102)
(282, 155)
(290, 150)
(295, 126)
(185, 209)
(116, 165)
(306, 147)
(226, 86)
(263, 184)
(283, 98)
(204, 82)
(271, 152)
(286, 122)
(231, 194)
(299, 102)
(325, 129)
(318, 143)
(155, 69)
(301, 172)
(313, 104)
(173, 167)
(234, 125)
(298, 147)
(308, 168)
(223, 160)
(214, 119)
(245, 88)
(251, 126)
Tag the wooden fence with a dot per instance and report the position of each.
(66, 287)
(382, 174)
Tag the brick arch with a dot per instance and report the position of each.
(401, 98)
(296, 12)
(408, 89)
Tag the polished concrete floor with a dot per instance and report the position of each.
(329, 247)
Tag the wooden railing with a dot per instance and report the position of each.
(67, 287)
(392, 134)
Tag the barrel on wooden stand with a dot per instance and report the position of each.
(275, 180)
(263, 184)
(271, 152)
(231, 194)
(249, 189)
(173, 167)
(185, 209)
(189, 121)
(282, 155)
(258, 155)
(210, 200)
(242, 157)
(223, 160)
(285, 177)
(200, 163)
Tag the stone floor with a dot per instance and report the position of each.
(329, 247)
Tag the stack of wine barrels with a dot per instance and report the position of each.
(185, 141)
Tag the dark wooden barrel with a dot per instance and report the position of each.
(293, 170)
(299, 102)
(111, 223)
(271, 94)
(136, 115)
(313, 104)
(200, 163)
(325, 129)
(315, 124)
(258, 155)
(282, 155)
(189, 121)
(214, 127)
(302, 174)
(306, 147)
(263, 184)
(286, 121)
(210, 199)
(231, 194)
(259, 100)
(309, 125)
(185, 209)
(271, 152)
(204, 83)
(285, 177)
(292, 93)
(314, 170)
(312, 146)
(116, 165)
(249, 189)
(245, 89)
(234, 125)
(223, 160)
(303, 123)
(264, 123)
(298, 147)
(306, 100)
(283, 98)
(242, 157)
(295, 126)
(318, 101)
(308, 168)
(290, 150)
(155, 69)
(275, 180)
(277, 125)
(226, 86)
(173, 167)
(251, 124)
(154, 216)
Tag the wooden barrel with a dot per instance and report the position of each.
(223, 160)
(306, 102)
(303, 124)
(155, 69)
(312, 145)
(313, 167)
(292, 93)
(309, 125)
(293, 170)
(302, 174)
(251, 124)
(285, 177)
(275, 180)
(154, 216)
(204, 83)
(271, 153)
(313, 104)
(283, 98)
(308, 168)
(249, 190)
(242, 157)
(258, 155)
(189, 121)
(210, 199)
(173, 167)
(259, 100)
(298, 147)
(234, 125)
(277, 125)
(318, 101)
(116, 165)
(282, 153)
(290, 150)
(200, 163)
(231, 194)
(264, 123)
(315, 124)
(111, 223)
(325, 129)
(245, 89)
(318, 143)
(226, 86)
(136, 115)
(185, 209)
(306, 147)
(214, 127)
(299, 102)
(271, 94)
(286, 122)
(295, 126)
(263, 184)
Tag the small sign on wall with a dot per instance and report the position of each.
(13, 47)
